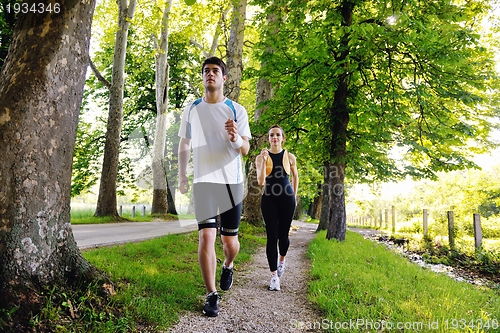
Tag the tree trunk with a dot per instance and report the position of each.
(234, 53)
(160, 188)
(41, 88)
(299, 210)
(324, 219)
(171, 209)
(336, 208)
(339, 119)
(106, 202)
(315, 208)
(251, 202)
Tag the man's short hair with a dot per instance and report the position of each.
(215, 61)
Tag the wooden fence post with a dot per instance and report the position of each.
(393, 219)
(120, 212)
(451, 229)
(426, 226)
(143, 210)
(133, 211)
(387, 218)
(478, 232)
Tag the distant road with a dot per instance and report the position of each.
(96, 235)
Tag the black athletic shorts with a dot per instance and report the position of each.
(211, 199)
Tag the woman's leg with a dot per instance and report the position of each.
(271, 218)
(287, 209)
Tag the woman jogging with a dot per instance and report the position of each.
(274, 166)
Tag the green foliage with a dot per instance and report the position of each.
(422, 82)
(482, 260)
(464, 192)
(187, 46)
(81, 310)
(88, 147)
(373, 284)
(8, 19)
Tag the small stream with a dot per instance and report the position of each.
(455, 273)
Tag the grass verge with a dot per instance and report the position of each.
(363, 287)
(87, 217)
(158, 280)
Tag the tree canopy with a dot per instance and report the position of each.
(422, 83)
(419, 79)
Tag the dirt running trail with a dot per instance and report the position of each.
(249, 307)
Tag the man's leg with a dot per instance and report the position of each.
(205, 208)
(230, 223)
(207, 258)
(231, 246)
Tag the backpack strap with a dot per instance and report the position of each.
(269, 165)
(229, 103)
(285, 162)
(188, 125)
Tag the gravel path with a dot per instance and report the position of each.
(249, 307)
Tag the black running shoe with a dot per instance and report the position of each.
(226, 278)
(211, 308)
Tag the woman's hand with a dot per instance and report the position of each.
(260, 163)
(264, 153)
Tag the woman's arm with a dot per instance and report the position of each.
(295, 175)
(260, 165)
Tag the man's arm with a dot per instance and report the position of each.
(237, 142)
(184, 152)
(245, 147)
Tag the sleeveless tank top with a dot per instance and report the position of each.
(277, 171)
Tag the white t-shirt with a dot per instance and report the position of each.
(215, 161)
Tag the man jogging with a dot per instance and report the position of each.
(217, 130)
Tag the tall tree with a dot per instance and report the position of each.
(140, 109)
(106, 202)
(359, 78)
(41, 88)
(234, 51)
(160, 187)
(264, 93)
(338, 119)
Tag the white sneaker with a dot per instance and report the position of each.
(281, 268)
(275, 283)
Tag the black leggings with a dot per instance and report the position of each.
(278, 214)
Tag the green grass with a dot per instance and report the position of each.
(160, 279)
(155, 281)
(361, 281)
(86, 216)
(359, 285)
